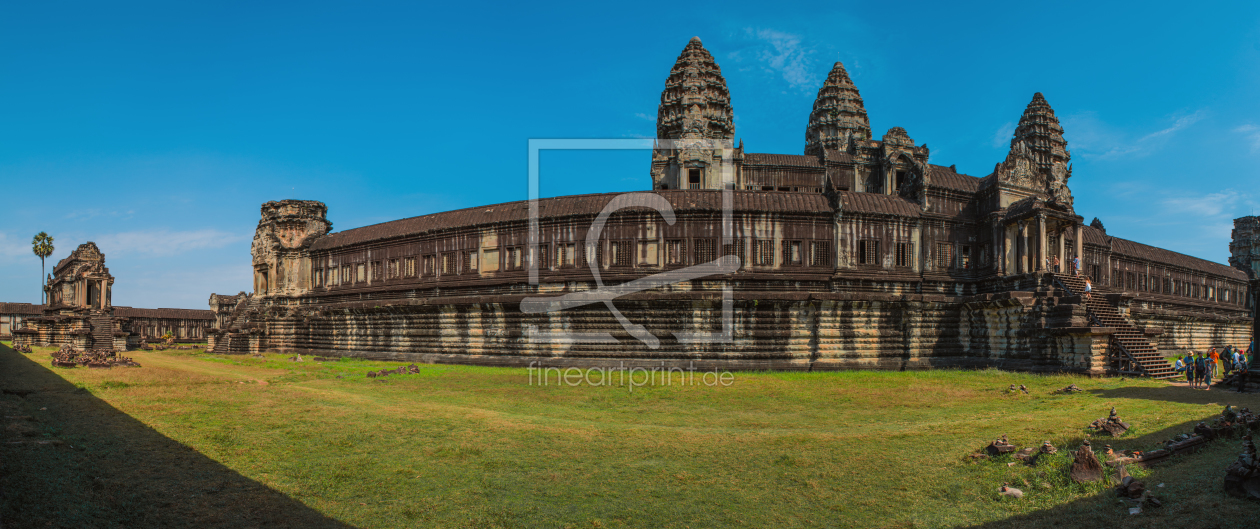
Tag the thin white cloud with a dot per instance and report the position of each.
(1002, 137)
(1251, 134)
(1090, 137)
(645, 117)
(1217, 205)
(13, 247)
(164, 242)
(780, 54)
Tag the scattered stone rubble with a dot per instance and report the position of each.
(1242, 478)
(1112, 424)
(403, 370)
(22, 349)
(999, 447)
(1071, 388)
(70, 357)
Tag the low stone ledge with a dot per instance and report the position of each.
(1083, 330)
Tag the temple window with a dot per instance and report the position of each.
(590, 254)
(901, 179)
(792, 253)
(465, 262)
(820, 253)
(409, 266)
(316, 276)
(360, 273)
(430, 264)
(705, 250)
(565, 255)
(964, 257)
(693, 179)
(377, 273)
(736, 248)
(944, 255)
(543, 251)
(674, 252)
(448, 263)
(619, 251)
(903, 254)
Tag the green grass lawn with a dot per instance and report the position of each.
(200, 440)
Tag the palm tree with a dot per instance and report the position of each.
(42, 245)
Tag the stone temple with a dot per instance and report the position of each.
(857, 253)
(80, 312)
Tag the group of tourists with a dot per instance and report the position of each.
(1054, 264)
(1201, 368)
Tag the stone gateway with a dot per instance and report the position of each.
(858, 253)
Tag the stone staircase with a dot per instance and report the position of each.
(102, 331)
(1132, 353)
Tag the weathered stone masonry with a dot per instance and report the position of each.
(857, 254)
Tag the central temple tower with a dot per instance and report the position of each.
(696, 114)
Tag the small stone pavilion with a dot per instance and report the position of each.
(80, 313)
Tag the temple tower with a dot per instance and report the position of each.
(1039, 129)
(1038, 164)
(281, 249)
(839, 117)
(696, 113)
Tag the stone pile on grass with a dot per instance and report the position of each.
(1112, 425)
(402, 370)
(70, 357)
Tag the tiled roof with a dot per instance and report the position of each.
(878, 204)
(558, 207)
(789, 160)
(21, 308)
(838, 156)
(948, 179)
(181, 314)
(1137, 250)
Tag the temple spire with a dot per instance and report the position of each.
(838, 116)
(1041, 134)
(695, 103)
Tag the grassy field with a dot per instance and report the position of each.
(200, 440)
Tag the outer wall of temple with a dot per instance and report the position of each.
(858, 254)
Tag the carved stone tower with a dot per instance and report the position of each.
(696, 112)
(1039, 163)
(839, 117)
(282, 264)
(1244, 249)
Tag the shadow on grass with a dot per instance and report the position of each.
(1181, 394)
(1193, 495)
(99, 467)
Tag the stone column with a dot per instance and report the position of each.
(1042, 248)
(1022, 265)
(1080, 246)
(1061, 232)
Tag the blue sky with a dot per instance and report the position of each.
(158, 129)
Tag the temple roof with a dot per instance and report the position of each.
(21, 308)
(1137, 250)
(788, 160)
(838, 116)
(695, 103)
(567, 206)
(173, 314)
(877, 203)
(947, 178)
